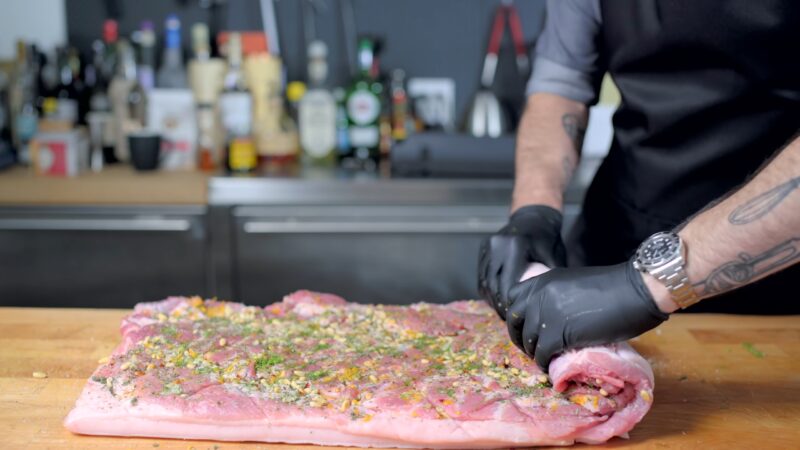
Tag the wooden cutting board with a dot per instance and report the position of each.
(712, 389)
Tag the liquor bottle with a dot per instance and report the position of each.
(99, 115)
(274, 132)
(295, 91)
(144, 78)
(400, 114)
(137, 106)
(145, 71)
(108, 62)
(22, 101)
(206, 78)
(200, 42)
(385, 121)
(317, 110)
(235, 80)
(236, 113)
(6, 154)
(49, 79)
(342, 130)
(172, 73)
(96, 80)
(119, 96)
(81, 91)
(66, 94)
(363, 103)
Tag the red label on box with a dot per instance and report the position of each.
(53, 158)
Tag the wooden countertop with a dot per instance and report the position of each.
(115, 185)
(711, 390)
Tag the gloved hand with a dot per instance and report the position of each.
(570, 308)
(533, 234)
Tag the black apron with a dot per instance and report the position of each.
(710, 91)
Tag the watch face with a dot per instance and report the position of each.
(659, 248)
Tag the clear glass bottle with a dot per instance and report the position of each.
(200, 42)
(49, 79)
(145, 71)
(99, 102)
(67, 94)
(400, 113)
(317, 110)
(236, 107)
(22, 100)
(172, 73)
(119, 92)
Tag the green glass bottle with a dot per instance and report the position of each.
(364, 105)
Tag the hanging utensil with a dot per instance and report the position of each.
(486, 116)
(270, 27)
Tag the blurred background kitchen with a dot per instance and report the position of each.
(244, 149)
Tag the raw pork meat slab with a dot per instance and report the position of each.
(317, 369)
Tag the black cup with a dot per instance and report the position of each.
(145, 150)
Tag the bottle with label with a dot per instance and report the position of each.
(119, 96)
(274, 132)
(81, 90)
(49, 81)
(137, 106)
(317, 110)
(146, 70)
(236, 107)
(22, 101)
(201, 45)
(99, 103)
(364, 106)
(295, 91)
(400, 115)
(145, 75)
(108, 62)
(206, 79)
(66, 95)
(172, 74)
(342, 130)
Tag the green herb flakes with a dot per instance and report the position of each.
(753, 350)
(317, 374)
(265, 362)
(172, 389)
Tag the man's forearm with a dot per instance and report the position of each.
(749, 235)
(548, 146)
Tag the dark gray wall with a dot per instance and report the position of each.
(441, 38)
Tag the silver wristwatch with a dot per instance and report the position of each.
(663, 255)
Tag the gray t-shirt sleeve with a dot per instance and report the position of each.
(567, 58)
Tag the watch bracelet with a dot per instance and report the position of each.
(680, 288)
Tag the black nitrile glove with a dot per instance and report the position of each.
(570, 308)
(533, 234)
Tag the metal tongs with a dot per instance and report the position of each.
(506, 9)
(486, 117)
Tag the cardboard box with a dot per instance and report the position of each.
(171, 113)
(62, 154)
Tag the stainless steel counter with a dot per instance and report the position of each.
(368, 237)
(331, 187)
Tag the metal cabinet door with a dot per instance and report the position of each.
(100, 256)
(369, 254)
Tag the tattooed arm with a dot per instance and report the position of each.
(750, 234)
(548, 146)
